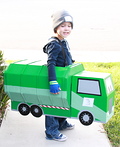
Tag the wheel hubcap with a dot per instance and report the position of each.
(86, 118)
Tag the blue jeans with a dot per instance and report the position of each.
(53, 125)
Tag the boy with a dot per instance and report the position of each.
(58, 55)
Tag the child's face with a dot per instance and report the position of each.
(64, 30)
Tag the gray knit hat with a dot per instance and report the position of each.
(59, 17)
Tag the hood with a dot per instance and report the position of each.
(45, 48)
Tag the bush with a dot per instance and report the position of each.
(3, 97)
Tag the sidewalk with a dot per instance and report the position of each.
(28, 131)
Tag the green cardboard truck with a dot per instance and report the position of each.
(85, 95)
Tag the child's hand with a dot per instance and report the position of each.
(54, 87)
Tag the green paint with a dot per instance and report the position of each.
(27, 82)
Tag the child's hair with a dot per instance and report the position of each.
(60, 17)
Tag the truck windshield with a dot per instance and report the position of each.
(88, 86)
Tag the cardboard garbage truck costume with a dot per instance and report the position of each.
(87, 96)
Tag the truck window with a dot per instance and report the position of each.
(109, 85)
(88, 86)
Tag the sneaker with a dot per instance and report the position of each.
(70, 126)
(60, 137)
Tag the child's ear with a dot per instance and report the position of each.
(55, 30)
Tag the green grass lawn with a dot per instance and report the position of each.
(113, 126)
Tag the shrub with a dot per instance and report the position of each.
(3, 96)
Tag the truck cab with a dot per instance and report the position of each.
(92, 97)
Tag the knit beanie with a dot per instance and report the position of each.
(60, 17)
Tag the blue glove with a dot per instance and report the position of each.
(54, 87)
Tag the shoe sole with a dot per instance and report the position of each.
(70, 128)
(60, 140)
